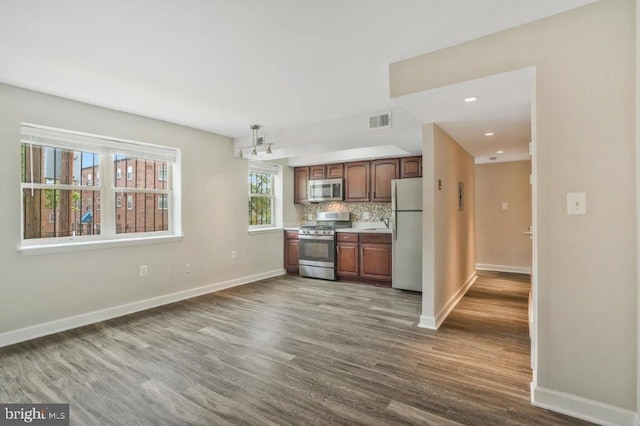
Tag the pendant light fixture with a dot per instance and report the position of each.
(256, 141)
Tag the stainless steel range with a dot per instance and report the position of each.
(317, 246)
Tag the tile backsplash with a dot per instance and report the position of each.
(357, 210)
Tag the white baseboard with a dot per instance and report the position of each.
(582, 408)
(434, 323)
(453, 301)
(503, 268)
(64, 324)
(427, 322)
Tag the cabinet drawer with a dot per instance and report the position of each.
(290, 235)
(375, 238)
(344, 236)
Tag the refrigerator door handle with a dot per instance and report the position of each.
(394, 206)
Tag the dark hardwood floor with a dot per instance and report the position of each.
(292, 351)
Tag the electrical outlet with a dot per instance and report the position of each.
(505, 206)
(310, 217)
(187, 268)
(144, 270)
(234, 254)
(366, 215)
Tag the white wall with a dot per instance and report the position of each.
(43, 288)
(448, 233)
(500, 241)
(587, 281)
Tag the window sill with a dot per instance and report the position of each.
(264, 230)
(95, 245)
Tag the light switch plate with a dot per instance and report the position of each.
(505, 206)
(577, 203)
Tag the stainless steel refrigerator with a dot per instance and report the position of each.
(406, 206)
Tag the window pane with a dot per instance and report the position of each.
(53, 213)
(58, 166)
(260, 183)
(260, 211)
(141, 213)
(138, 173)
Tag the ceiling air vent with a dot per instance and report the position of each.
(380, 121)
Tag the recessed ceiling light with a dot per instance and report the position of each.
(489, 134)
(471, 99)
(500, 152)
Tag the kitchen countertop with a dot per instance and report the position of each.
(365, 230)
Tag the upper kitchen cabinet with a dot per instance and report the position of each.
(356, 181)
(335, 171)
(411, 167)
(382, 173)
(301, 185)
(318, 172)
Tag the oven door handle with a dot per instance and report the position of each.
(317, 237)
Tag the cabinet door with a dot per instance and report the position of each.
(382, 172)
(411, 167)
(356, 181)
(317, 172)
(301, 185)
(291, 255)
(375, 261)
(335, 171)
(347, 260)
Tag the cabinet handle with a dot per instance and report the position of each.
(337, 249)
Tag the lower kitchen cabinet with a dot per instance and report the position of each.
(375, 261)
(375, 256)
(364, 257)
(348, 259)
(291, 244)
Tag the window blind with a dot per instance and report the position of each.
(77, 141)
(258, 167)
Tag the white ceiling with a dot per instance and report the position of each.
(221, 65)
(503, 108)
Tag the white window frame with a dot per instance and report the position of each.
(129, 172)
(119, 173)
(119, 201)
(276, 194)
(107, 148)
(129, 202)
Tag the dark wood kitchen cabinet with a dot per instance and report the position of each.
(335, 171)
(364, 258)
(357, 181)
(291, 244)
(375, 256)
(411, 167)
(347, 255)
(317, 172)
(382, 173)
(301, 185)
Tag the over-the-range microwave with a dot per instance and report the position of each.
(326, 190)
